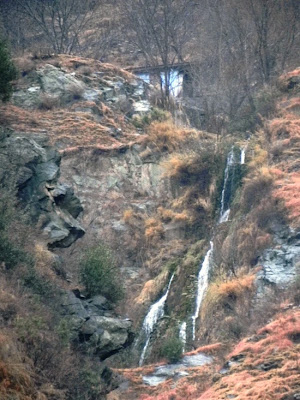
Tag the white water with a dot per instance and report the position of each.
(156, 312)
(224, 214)
(182, 335)
(243, 155)
(202, 285)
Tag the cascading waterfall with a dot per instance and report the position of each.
(182, 335)
(224, 214)
(156, 312)
(202, 280)
(243, 155)
(202, 285)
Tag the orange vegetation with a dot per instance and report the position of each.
(209, 349)
(264, 366)
(289, 191)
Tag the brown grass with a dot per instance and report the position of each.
(153, 230)
(288, 190)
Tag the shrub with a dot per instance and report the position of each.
(256, 189)
(48, 101)
(156, 114)
(172, 349)
(99, 274)
(153, 230)
(8, 72)
(74, 91)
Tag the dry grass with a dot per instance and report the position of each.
(220, 293)
(153, 230)
(268, 369)
(288, 190)
(68, 130)
(48, 102)
(256, 187)
(165, 136)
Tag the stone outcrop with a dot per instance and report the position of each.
(129, 96)
(279, 263)
(33, 170)
(95, 327)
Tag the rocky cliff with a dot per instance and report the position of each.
(156, 193)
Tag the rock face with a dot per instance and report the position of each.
(279, 263)
(67, 88)
(96, 328)
(34, 170)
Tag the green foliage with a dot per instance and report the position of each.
(8, 72)
(171, 349)
(156, 114)
(99, 274)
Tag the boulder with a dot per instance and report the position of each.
(58, 83)
(106, 335)
(279, 263)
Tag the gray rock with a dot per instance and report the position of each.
(34, 170)
(106, 335)
(279, 263)
(29, 98)
(176, 371)
(58, 83)
(73, 306)
(64, 198)
(98, 303)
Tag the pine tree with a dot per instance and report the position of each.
(8, 72)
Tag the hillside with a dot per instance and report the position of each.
(92, 161)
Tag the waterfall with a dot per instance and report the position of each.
(224, 215)
(227, 192)
(182, 335)
(156, 312)
(243, 155)
(202, 283)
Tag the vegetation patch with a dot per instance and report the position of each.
(99, 274)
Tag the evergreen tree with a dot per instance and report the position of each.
(8, 72)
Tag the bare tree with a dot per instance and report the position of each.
(161, 31)
(61, 22)
(250, 44)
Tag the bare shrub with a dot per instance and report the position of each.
(48, 101)
(256, 188)
(153, 230)
(74, 91)
(25, 64)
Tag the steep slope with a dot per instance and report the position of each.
(255, 273)
(156, 194)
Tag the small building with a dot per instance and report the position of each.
(180, 84)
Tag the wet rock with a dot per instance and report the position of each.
(176, 371)
(196, 360)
